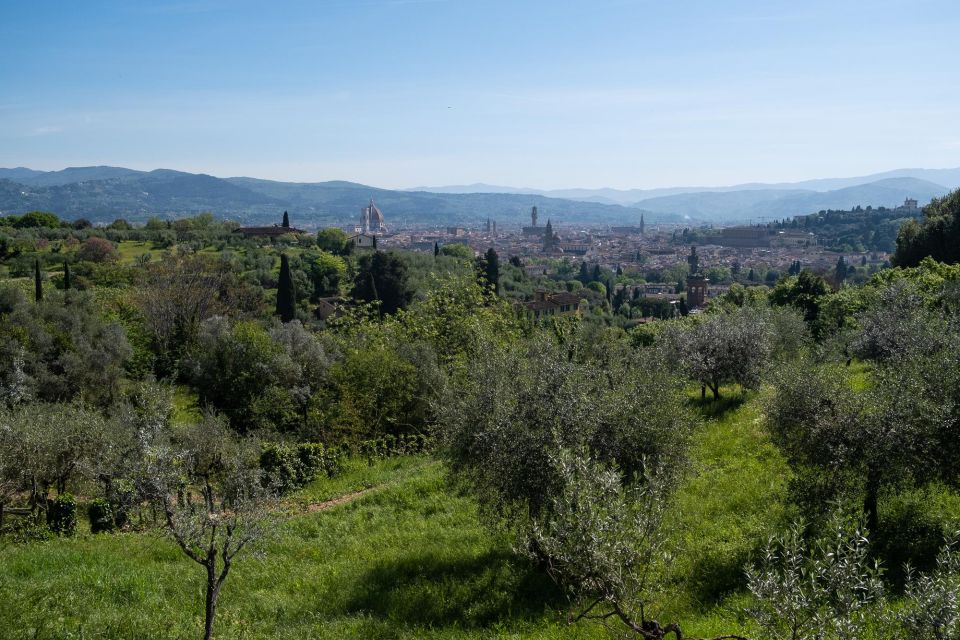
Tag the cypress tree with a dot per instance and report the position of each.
(374, 243)
(493, 269)
(37, 282)
(436, 249)
(584, 274)
(66, 276)
(286, 220)
(286, 298)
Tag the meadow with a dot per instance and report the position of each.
(404, 555)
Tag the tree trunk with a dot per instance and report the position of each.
(703, 393)
(213, 592)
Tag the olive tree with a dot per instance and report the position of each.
(209, 486)
(503, 419)
(931, 604)
(715, 349)
(820, 590)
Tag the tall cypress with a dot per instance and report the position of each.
(286, 298)
(286, 220)
(37, 282)
(436, 249)
(66, 276)
(492, 261)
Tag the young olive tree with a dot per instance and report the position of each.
(604, 540)
(816, 591)
(931, 606)
(210, 489)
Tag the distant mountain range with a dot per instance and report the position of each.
(106, 193)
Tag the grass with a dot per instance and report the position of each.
(732, 500)
(413, 559)
(130, 250)
(407, 561)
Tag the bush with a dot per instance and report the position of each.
(25, 530)
(62, 515)
(288, 468)
(100, 513)
(388, 446)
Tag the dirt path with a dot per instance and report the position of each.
(314, 507)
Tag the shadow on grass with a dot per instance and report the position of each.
(432, 590)
(713, 577)
(717, 409)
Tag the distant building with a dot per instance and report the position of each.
(546, 304)
(371, 220)
(273, 231)
(533, 230)
(364, 241)
(743, 237)
(909, 206)
(697, 283)
(456, 232)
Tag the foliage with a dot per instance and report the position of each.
(59, 352)
(932, 601)
(62, 515)
(100, 515)
(382, 277)
(816, 591)
(515, 409)
(937, 236)
(286, 294)
(96, 249)
(726, 347)
(232, 509)
(603, 542)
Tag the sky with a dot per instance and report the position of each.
(527, 93)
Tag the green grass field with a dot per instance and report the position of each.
(409, 558)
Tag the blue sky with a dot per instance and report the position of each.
(548, 94)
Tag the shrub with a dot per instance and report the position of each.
(62, 515)
(100, 512)
(26, 530)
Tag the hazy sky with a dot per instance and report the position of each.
(551, 93)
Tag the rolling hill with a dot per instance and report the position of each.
(106, 193)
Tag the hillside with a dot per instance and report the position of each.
(86, 192)
(777, 203)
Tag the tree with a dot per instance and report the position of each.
(584, 276)
(841, 270)
(334, 241)
(97, 250)
(176, 294)
(286, 221)
(231, 511)
(259, 379)
(382, 276)
(816, 591)
(492, 269)
(66, 276)
(64, 352)
(803, 292)
(726, 347)
(37, 282)
(937, 236)
(436, 248)
(286, 294)
(327, 272)
(502, 428)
